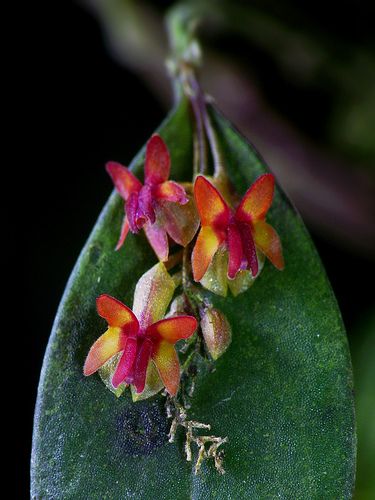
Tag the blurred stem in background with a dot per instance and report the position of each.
(305, 96)
(332, 180)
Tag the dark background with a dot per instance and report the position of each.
(81, 109)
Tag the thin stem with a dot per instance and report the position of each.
(201, 108)
(200, 136)
(214, 145)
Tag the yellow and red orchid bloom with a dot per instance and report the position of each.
(145, 203)
(140, 336)
(138, 346)
(242, 231)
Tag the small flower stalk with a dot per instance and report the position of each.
(174, 327)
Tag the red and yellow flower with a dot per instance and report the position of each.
(151, 205)
(242, 232)
(141, 340)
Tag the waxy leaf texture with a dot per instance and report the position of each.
(282, 392)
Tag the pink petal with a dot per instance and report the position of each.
(126, 362)
(141, 364)
(157, 162)
(158, 239)
(145, 204)
(125, 182)
(235, 250)
(131, 212)
(123, 233)
(248, 246)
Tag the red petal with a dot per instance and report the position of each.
(141, 364)
(207, 243)
(145, 207)
(235, 250)
(131, 209)
(157, 162)
(166, 361)
(158, 240)
(257, 200)
(249, 249)
(173, 329)
(212, 208)
(171, 191)
(123, 233)
(268, 241)
(126, 362)
(117, 314)
(125, 182)
(107, 345)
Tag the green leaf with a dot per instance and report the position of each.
(282, 392)
(363, 348)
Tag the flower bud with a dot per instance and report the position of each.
(216, 331)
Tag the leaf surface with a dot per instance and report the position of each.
(282, 392)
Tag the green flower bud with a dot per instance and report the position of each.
(216, 331)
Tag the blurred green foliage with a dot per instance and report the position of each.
(363, 356)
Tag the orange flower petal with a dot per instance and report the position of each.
(268, 241)
(257, 200)
(168, 366)
(125, 182)
(173, 329)
(116, 313)
(212, 208)
(110, 343)
(207, 243)
(157, 162)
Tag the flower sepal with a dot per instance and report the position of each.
(216, 277)
(153, 385)
(106, 373)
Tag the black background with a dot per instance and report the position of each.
(77, 109)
